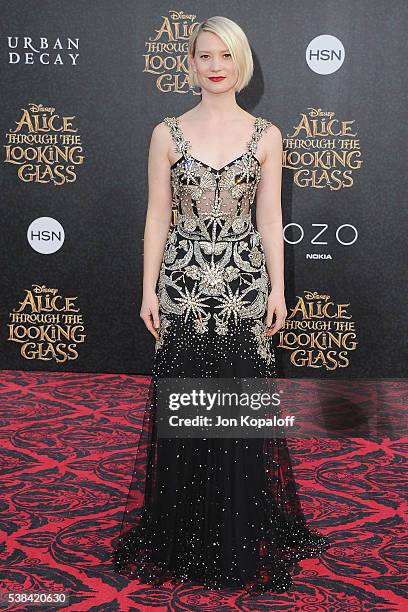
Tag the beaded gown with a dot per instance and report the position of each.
(222, 513)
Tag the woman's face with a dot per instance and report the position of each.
(213, 59)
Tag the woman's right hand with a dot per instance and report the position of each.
(149, 312)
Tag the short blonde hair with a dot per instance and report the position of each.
(235, 39)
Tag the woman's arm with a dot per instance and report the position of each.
(158, 218)
(269, 224)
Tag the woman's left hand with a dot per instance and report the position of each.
(277, 306)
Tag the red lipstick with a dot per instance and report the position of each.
(219, 78)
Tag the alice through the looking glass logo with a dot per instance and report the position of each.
(165, 54)
(48, 326)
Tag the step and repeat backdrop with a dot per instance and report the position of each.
(83, 85)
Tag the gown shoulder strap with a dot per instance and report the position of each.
(176, 132)
(261, 125)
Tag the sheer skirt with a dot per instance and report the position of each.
(220, 512)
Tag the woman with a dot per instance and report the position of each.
(220, 512)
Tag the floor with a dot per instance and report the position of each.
(66, 460)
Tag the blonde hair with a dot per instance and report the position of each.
(235, 39)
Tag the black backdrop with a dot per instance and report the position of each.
(116, 69)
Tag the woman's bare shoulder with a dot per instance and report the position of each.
(163, 125)
(271, 140)
(273, 133)
(269, 128)
(160, 141)
(262, 121)
(162, 130)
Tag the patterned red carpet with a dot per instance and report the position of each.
(67, 443)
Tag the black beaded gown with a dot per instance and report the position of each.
(218, 512)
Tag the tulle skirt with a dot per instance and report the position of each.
(218, 512)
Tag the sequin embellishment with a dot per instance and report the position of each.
(214, 263)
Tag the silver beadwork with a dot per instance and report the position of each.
(214, 243)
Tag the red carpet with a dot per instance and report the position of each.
(67, 444)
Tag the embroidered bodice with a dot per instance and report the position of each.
(214, 204)
(213, 275)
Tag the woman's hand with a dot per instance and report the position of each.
(277, 306)
(149, 312)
